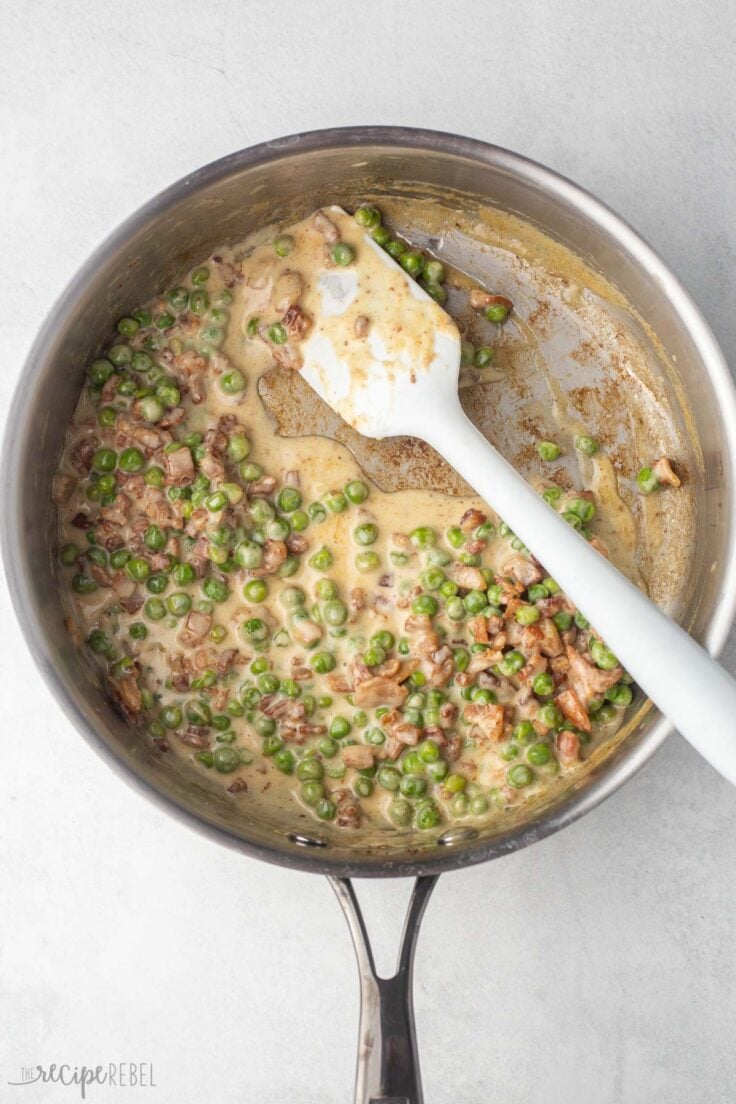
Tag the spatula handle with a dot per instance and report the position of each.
(679, 676)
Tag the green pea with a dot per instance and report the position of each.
(154, 609)
(233, 382)
(519, 776)
(548, 450)
(157, 583)
(215, 589)
(131, 460)
(381, 236)
(425, 603)
(550, 716)
(119, 558)
(428, 751)
(104, 460)
(374, 655)
(412, 261)
(268, 682)
(400, 812)
(283, 245)
(496, 312)
(312, 792)
(255, 629)
(562, 620)
(178, 298)
(433, 578)
(475, 601)
(367, 561)
(288, 499)
(428, 816)
(483, 356)
(603, 656)
(356, 491)
(620, 695)
(138, 568)
(256, 590)
(164, 321)
(543, 685)
(200, 276)
(277, 334)
(478, 805)
(647, 481)
(462, 659)
(423, 537)
(335, 612)
(120, 355)
(326, 809)
(342, 253)
(395, 248)
(539, 754)
(365, 533)
(322, 560)
(248, 555)
(512, 663)
(389, 778)
(434, 271)
(527, 615)
(582, 508)
(179, 604)
(587, 445)
(171, 716)
(367, 216)
(552, 495)
(285, 760)
(384, 639)
(138, 630)
(226, 759)
(375, 736)
(322, 662)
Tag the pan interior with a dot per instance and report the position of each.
(582, 351)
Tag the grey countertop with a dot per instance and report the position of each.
(598, 965)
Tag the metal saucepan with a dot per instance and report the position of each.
(224, 202)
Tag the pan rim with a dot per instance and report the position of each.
(576, 804)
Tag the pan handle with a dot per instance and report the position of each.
(388, 1064)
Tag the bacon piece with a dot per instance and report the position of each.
(589, 682)
(488, 717)
(348, 809)
(471, 519)
(479, 628)
(326, 227)
(196, 628)
(296, 322)
(359, 756)
(377, 691)
(127, 694)
(470, 578)
(82, 453)
(664, 473)
(480, 299)
(568, 747)
(523, 570)
(573, 709)
(179, 467)
(274, 554)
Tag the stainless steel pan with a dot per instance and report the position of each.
(225, 201)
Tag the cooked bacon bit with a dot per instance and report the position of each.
(100, 575)
(589, 682)
(286, 356)
(597, 543)
(212, 466)
(197, 390)
(238, 786)
(348, 809)
(473, 547)
(454, 748)
(356, 600)
(483, 661)
(403, 542)
(226, 660)
(549, 638)
(300, 673)
(556, 604)
(359, 756)
(407, 734)
(479, 628)
(263, 486)
(296, 543)
(664, 472)
(297, 323)
(408, 667)
(306, 632)
(480, 299)
(173, 417)
(377, 691)
(494, 624)
(509, 588)
(361, 326)
(195, 737)
(287, 291)
(489, 718)
(573, 709)
(535, 665)
(74, 631)
(471, 519)
(62, 488)
(82, 453)
(568, 747)
(339, 683)
(326, 227)
(470, 578)
(197, 626)
(291, 478)
(448, 714)
(386, 581)
(523, 570)
(82, 521)
(274, 554)
(148, 438)
(390, 668)
(127, 694)
(179, 467)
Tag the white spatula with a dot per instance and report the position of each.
(401, 378)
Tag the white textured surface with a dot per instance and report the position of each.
(596, 966)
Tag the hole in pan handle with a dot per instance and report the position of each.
(388, 1064)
